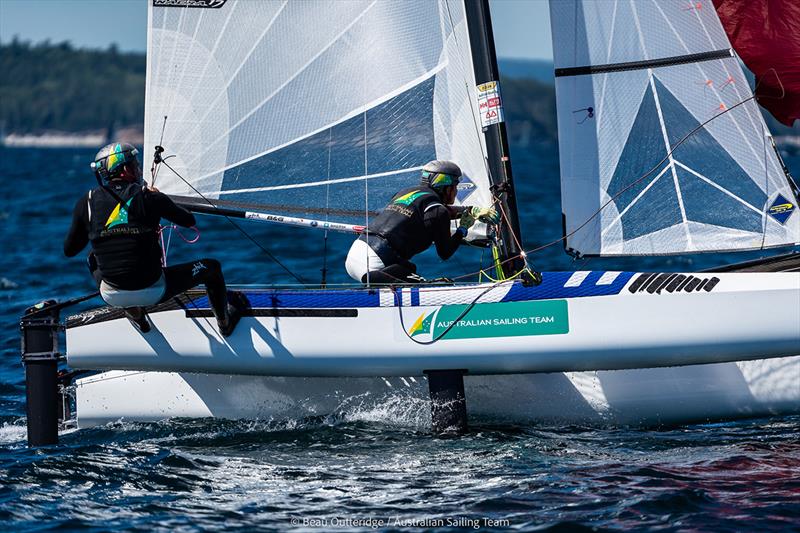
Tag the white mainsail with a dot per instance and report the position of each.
(633, 78)
(311, 107)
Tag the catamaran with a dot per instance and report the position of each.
(312, 114)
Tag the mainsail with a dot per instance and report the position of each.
(661, 148)
(310, 108)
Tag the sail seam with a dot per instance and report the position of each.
(721, 189)
(716, 91)
(641, 65)
(671, 161)
(352, 114)
(211, 56)
(622, 213)
(210, 107)
(364, 177)
(286, 83)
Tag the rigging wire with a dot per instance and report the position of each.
(324, 280)
(154, 168)
(238, 227)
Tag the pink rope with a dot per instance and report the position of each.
(165, 247)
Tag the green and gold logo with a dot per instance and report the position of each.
(406, 199)
(119, 215)
(504, 319)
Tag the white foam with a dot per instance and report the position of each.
(15, 432)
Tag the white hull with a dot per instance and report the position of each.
(572, 322)
(625, 348)
(638, 397)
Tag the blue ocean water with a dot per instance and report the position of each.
(358, 470)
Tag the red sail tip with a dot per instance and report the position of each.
(765, 37)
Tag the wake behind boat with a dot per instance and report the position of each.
(651, 163)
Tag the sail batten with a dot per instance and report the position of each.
(662, 147)
(638, 65)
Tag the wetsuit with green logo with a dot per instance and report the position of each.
(121, 221)
(414, 219)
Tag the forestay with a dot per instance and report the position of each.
(310, 108)
(633, 78)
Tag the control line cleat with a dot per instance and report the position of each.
(531, 278)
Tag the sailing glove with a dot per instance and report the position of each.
(488, 215)
(467, 219)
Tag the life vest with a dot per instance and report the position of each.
(402, 222)
(109, 217)
(124, 238)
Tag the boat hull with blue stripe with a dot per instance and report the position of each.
(581, 321)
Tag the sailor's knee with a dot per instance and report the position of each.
(212, 264)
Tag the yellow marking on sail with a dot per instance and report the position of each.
(781, 208)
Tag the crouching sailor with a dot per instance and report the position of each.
(415, 218)
(121, 219)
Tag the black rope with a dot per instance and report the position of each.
(238, 227)
(469, 307)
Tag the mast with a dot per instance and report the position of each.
(484, 64)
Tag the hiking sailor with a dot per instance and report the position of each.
(121, 219)
(415, 218)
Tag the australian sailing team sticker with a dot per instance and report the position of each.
(509, 319)
(781, 209)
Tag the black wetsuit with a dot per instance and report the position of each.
(415, 218)
(125, 250)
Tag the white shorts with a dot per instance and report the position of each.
(140, 298)
(361, 259)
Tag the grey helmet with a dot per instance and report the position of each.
(112, 158)
(439, 174)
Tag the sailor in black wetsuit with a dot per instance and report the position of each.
(121, 220)
(415, 218)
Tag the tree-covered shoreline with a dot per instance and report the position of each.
(55, 87)
(49, 87)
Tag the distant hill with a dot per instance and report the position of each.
(56, 87)
(530, 69)
(530, 108)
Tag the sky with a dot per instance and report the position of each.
(521, 27)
